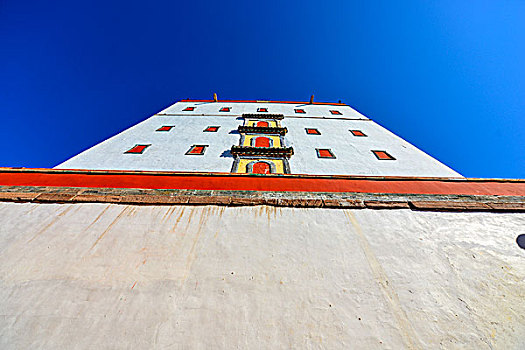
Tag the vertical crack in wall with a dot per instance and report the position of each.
(192, 255)
(406, 330)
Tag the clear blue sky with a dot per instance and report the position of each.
(448, 76)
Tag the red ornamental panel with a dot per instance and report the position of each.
(165, 128)
(383, 155)
(357, 133)
(263, 124)
(261, 168)
(310, 131)
(325, 153)
(262, 142)
(137, 149)
(211, 129)
(197, 150)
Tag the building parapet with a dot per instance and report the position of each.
(260, 101)
(345, 200)
(163, 188)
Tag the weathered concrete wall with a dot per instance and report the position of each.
(95, 276)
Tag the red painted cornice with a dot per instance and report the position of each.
(253, 182)
(258, 101)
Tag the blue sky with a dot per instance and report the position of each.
(447, 76)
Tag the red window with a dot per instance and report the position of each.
(310, 131)
(189, 109)
(262, 109)
(335, 112)
(137, 149)
(299, 111)
(261, 168)
(357, 133)
(225, 109)
(262, 142)
(325, 153)
(212, 129)
(197, 150)
(383, 155)
(166, 128)
(262, 124)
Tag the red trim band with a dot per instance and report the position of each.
(250, 182)
(256, 101)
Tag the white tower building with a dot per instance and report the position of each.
(259, 225)
(230, 136)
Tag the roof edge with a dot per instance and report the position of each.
(261, 101)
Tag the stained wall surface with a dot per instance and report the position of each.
(106, 276)
(167, 150)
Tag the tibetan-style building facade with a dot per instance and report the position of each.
(275, 138)
(257, 225)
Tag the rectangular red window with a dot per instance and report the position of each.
(137, 149)
(166, 128)
(358, 133)
(310, 131)
(299, 111)
(197, 150)
(225, 109)
(189, 109)
(383, 155)
(335, 112)
(325, 153)
(262, 109)
(212, 129)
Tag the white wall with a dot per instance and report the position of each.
(167, 150)
(353, 154)
(106, 276)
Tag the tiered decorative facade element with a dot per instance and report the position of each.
(262, 148)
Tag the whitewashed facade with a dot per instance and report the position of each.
(109, 276)
(167, 150)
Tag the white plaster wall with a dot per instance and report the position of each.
(167, 150)
(105, 276)
(273, 108)
(353, 154)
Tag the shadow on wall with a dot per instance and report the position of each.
(226, 154)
